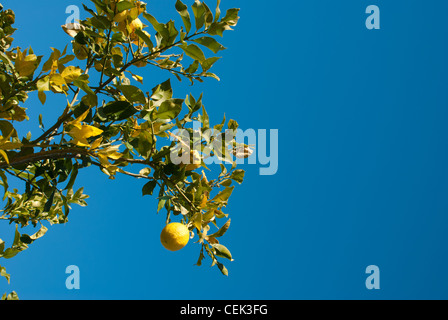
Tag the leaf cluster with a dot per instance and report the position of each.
(112, 122)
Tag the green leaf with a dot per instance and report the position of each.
(10, 253)
(182, 9)
(132, 93)
(124, 5)
(193, 67)
(231, 18)
(232, 125)
(90, 99)
(224, 195)
(89, 10)
(172, 33)
(205, 118)
(12, 296)
(208, 63)
(161, 204)
(219, 127)
(148, 188)
(72, 180)
(55, 55)
(4, 274)
(193, 51)
(49, 202)
(159, 27)
(39, 233)
(201, 257)
(208, 16)
(145, 38)
(42, 97)
(222, 268)
(4, 183)
(100, 4)
(238, 175)
(162, 91)
(210, 43)
(226, 183)
(199, 14)
(211, 75)
(115, 111)
(82, 83)
(217, 11)
(221, 231)
(26, 239)
(169, 109)
(7, 129)
(222, 251)
(167, 31)
(143, 143)
(100, 22)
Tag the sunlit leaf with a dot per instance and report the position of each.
(132, 93)
(4, 274)
(182, 9)
(193, 51)
(221, 231)
(199, 14)
(222, 251)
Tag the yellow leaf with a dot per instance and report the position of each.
(106, 167)
(82, 132)
(137, 129)
(57, 82)
(54, 66)
(71, 73)
(96, 143)
(197, 221)
(211, 240)
(42, 97)
(25, 64)
(114, 155)
(10, 145)
(203, 201)
(111, 153)
(209, 216)
(72, 29)
(103, 160)
(16, 114)
(78, 120)
(138, 78)
(204, 178)
(4, 155)
(119, 17)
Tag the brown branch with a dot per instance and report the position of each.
(45, 155)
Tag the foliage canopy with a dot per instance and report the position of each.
(111, 123)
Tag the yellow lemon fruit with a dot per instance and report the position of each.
(121, 16)
(174, 236)
(136, 24)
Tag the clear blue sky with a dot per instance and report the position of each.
(362, 179)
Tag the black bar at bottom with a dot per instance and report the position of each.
(216, 309)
